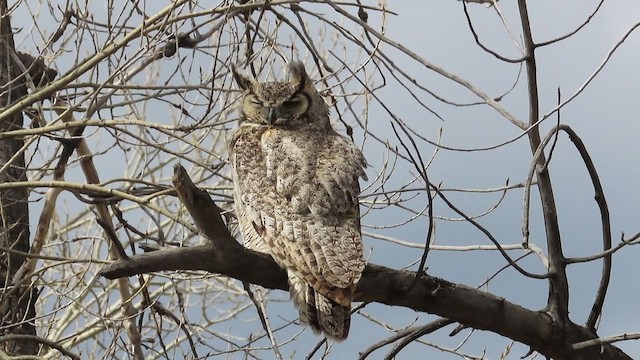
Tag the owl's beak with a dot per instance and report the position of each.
(272, 116)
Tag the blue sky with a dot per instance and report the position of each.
(603, 115)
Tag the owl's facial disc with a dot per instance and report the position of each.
(290, 109)
(278, 113)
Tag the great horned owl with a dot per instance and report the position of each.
(296, 190)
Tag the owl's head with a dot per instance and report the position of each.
(282, 103)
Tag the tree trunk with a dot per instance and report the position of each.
(17, 309)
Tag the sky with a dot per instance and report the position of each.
(603, 115)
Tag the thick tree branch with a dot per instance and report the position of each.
(469, 306)
(17, 303)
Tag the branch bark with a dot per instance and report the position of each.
(558, 300)
(16, 303)
(474, 308)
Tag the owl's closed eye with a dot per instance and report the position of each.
(276, 103)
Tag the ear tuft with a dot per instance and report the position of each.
(244, 83)
(298, 75)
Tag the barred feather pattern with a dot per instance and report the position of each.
(296, 196)
(301, 207)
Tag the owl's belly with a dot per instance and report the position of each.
(289, 167)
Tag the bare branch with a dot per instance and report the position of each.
(481, 45)
(145, 87)
(469, 306)
(605, 340)
(558, 302)
(49, 343)
(596, 310)
(575, 31)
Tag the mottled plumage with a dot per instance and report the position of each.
(296, 195)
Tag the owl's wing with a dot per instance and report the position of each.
(297, 199)
(329, 206)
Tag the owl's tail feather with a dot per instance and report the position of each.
(320, 312)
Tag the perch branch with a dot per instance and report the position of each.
(222, 254)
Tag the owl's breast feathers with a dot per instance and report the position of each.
(296, 196)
